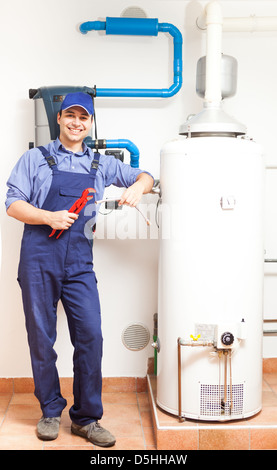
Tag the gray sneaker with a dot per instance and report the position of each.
(48, 428)
(94, 433)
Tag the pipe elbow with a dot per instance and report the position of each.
(92, 26)
(214, 13)
(211, 14)
(172, 30)
(129, 146)
(171, 91)
(134, 153)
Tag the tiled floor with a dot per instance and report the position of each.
(136, 421)
(126, 415)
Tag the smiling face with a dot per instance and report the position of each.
(75, 125)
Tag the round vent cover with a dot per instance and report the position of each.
(135, 336)
(133, 12)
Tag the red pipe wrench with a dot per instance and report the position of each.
(77, 206)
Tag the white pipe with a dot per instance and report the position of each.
(251, 24)
(212, 21)
(213, 53)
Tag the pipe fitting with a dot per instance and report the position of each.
(119, 144)
(92, 26)
(211, 14)
(214, 13)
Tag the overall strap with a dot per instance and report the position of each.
(49, 158)
(95, 163)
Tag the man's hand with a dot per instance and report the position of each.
(133, 194)
(25, 212)
(61, 220)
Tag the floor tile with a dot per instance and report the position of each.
(222, 439)
(263, 439)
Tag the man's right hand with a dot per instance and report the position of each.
(25, 212)
(61, 220)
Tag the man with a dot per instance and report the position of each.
(42, 187)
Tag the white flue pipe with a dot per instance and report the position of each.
(251, 24)
(212, 21)
(213, 53)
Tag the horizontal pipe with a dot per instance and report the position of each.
(132, 26)
(183, 342)
(146, 27)
(251, 24)
(140, 93)
(119, 144)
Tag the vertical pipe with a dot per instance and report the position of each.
(219, 380)
(179, 382)
(225, 378)
(231, 391)
(155, 337)
(213, 53)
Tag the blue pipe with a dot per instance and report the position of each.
(128, 145)
(118, 144)
(141, 27)
(132, 26)
(92, 26)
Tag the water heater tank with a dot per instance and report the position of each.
(211, 278)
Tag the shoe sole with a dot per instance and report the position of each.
(46, 438)
(100, 444)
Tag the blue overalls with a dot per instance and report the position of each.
(51, 269)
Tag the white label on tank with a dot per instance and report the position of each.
(227, 202)
(205, 330)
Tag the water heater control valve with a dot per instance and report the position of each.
(227, 338)
(226, 335)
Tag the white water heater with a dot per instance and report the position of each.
(210, 332)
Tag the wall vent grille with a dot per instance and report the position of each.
(135, 336)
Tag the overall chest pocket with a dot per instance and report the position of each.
(68, 191)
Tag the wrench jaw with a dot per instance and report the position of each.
(90, 196)
(77, 206)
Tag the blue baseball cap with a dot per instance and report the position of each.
(78, 99)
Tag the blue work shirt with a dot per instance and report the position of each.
(31, 177)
